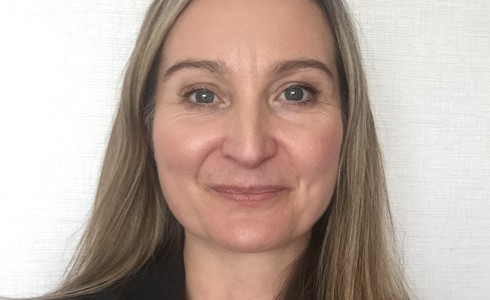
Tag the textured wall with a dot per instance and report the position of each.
(428, 66)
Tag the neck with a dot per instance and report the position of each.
(215, 273)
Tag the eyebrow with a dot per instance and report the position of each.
(209, 65)
(218, 67)
(290, 66)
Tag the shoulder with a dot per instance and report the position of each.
(161, 279)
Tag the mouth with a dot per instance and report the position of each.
(249, 195)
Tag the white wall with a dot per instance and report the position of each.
(428, 65)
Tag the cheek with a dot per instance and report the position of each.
(179, 150)
(317, 150)
(316, 159)
(175, 157)
(322, 149)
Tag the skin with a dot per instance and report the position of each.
(250, 135)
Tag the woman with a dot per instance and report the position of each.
(243, 163)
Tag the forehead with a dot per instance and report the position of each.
(250, 33)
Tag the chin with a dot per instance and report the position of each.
(254, 240)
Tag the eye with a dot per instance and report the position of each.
(297, 93)
(201, 96)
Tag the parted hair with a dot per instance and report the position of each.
(352, 253)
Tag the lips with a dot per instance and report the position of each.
(249, 195)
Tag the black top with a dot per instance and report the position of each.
(161, 279)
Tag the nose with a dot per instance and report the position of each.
(250, 140)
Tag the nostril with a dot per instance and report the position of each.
(249, 146)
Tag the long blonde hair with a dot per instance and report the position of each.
(350, 255)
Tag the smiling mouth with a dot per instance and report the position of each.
(249, 195)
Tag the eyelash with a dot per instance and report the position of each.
(188, 91)
(310, 89)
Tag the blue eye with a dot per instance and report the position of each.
(202, 96)
(297, 93)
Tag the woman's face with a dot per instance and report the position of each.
(247, 129)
